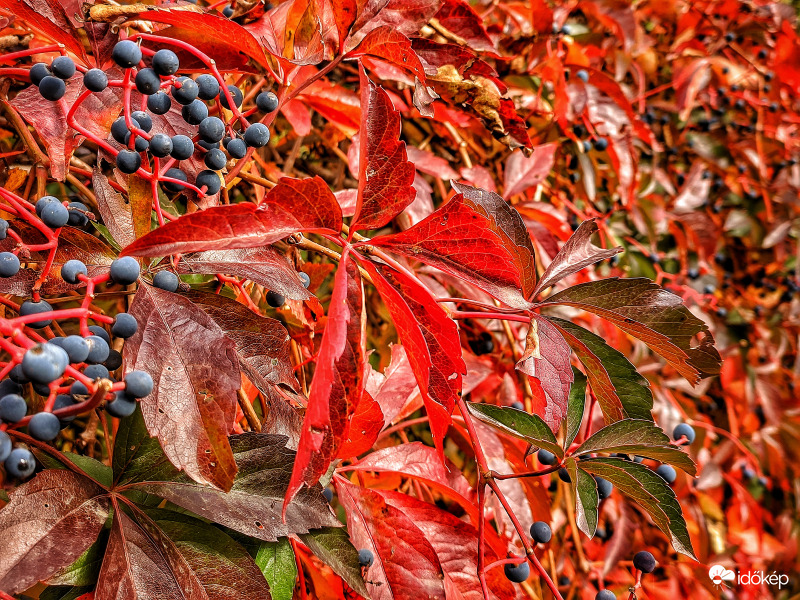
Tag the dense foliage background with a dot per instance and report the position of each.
(668, 128)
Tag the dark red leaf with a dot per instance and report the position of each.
(575, 255)
(365, 426)
(515, 129)
(652, 314)
(406, 565)
(523, 172)
(456, 544)
(46, 525)
(462, 238)
(142, 562)
(547, 361)
(431, 341)
(386, 43)
(385, 176)
(264, 266)
(338, 384)
(460, 19)
(196, 374)
(292, 205)
(404, 16)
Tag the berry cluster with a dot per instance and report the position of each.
(49, 376)
(204, 99)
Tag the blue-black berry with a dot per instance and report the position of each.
(160, 145)
(604, 488)
(644, 561)
(187, 92)
(126, 54)
(143, 120)
(684, 430)
(98, 349)
(267, 101)
(207, 87)
(176, 174)
(71, 269)
(76, 347)
(211, 129)
(147, 82)
(182, 147)
(165, 62)
(77, 216)
(257, 135)
(194, 112)
(210, 180)
(52, 88)
(138, 384)
(236, 148)
(29, 307)
(63, 67)
(159, 103)
(38, 72)
(667, 473)
(517, 573)
(546, 457)
(5, 446)
(605, 595)
(44, 363)
(95, 80)
(365, 557)
(236, 95)
(124, 326)
(100, 332)
(166, 280)
(541, 532)
(125, 270)
(20, 463)
(13, 408)
(129, 161)
(121, 406)
(96, 372)
(9, 264)
(215, 159)
(275, 300)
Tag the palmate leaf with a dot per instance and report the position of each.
(652, 314)
(520, 424)
(277, 562)
(619, 388)
(584, 488)
(338, 385)
(575, 406)
(649, 491)
(641, 438)
(333, 546)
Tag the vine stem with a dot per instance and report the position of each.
(486, 477)
(463, 314)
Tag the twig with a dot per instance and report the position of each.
(249, 413)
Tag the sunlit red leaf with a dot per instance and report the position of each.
(338, 385)
(385, 176)
(49, 17)
(463, 238)
(292, 205)
(523, 172)
(431, 341)
(406, 565)
(460, 19)
(386, 43)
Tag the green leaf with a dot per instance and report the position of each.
(584, 488)
(650, 313)
(332, 545)
(60, 592)
(619, 388)
(650, 492)
(84, 571)
(525, 426)
(277, 563)
(641, 438)
(88, 466)
(575, 406)
(137, 456)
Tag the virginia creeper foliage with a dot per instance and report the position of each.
(398, 299)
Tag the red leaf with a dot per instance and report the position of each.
(385, 176)
(292, 33)
(50, 18)
(334, 102)
(95, 114)
(431, 341)
(292, 205)
(230, 44)
(578, 253)
(547, 361)
(462, 238)
(456, 544)
(339, 15)
(404, 16)
(459, 18)
(429, 163)
(514, 127)
(196, 374)
(365, 426)
(393, 388)
(523, 172)
(264, 266)
(338, 384)
(406, 565)
(420, 462)
(144, 563)
(46, 525)
(509, 225)
(125, 220)
(388, 44)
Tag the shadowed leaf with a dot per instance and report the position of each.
(333, 546)
(524, 426)
(584, 488)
